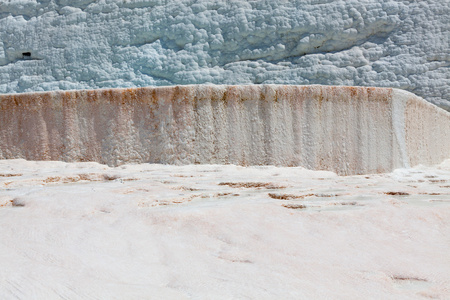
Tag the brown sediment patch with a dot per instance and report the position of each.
(235, 260)
(110, 177)
(325, 195)
(226, 194)
(428, 295)
(396, 202)
(10, 175)
(222, 194)
(184, 188)
(266, 185)
(132, 190)
(431, 194)
(352, 203)
(167, 182)
(164, 202)
(216, 195)
(96, 177)
(7, 202)
(130, 179)
(294, 206)
(183, 176)
(437, 180)
(81, 177)
(397, 193)
(288, 196)
(407, 278)
(53, 179)
(87, 177)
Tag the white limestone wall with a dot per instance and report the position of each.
(349, 130)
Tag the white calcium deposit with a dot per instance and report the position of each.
(61, 44)
(88, 231)
(348, 130)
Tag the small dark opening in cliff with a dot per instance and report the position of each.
(26, 55)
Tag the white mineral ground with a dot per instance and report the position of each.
(89, 231)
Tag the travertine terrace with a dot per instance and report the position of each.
(348, 130)
(50, 45)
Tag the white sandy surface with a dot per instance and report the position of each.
(88, 231)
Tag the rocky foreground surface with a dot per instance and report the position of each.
(89, 231)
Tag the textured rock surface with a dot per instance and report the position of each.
(152, 231)
(61, 44)
(349, 130)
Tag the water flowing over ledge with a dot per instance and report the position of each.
(348, 130)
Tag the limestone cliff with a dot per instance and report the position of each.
(349, 130)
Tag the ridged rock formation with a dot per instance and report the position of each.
(349, 130)
(71, 45)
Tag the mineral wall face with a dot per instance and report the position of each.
(86, 44)
(349, 130)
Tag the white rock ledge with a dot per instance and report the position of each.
(348, 130)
